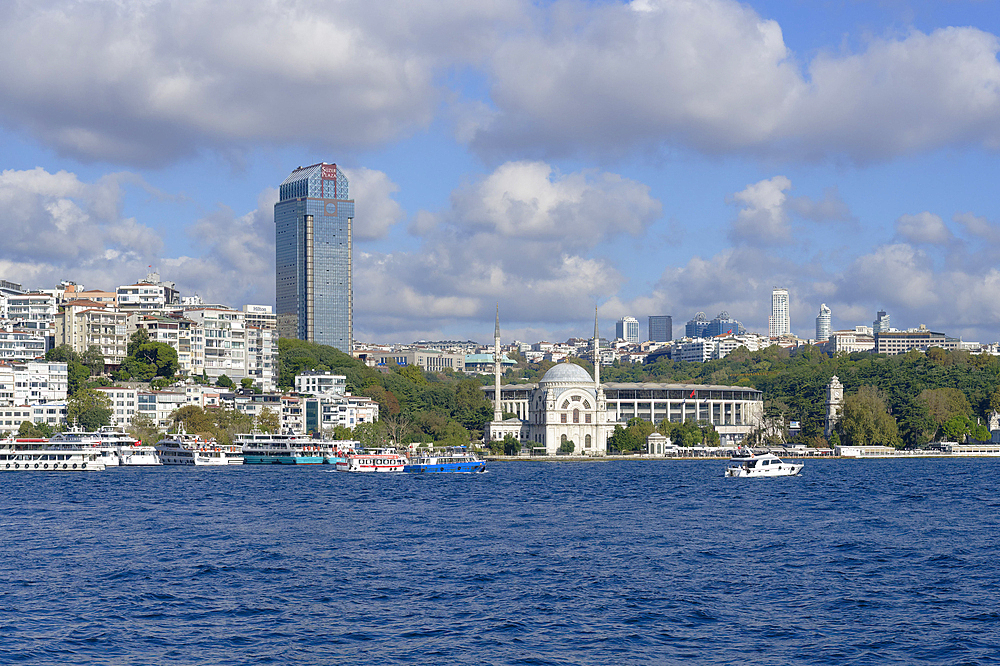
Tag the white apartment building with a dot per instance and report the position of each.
(33, 307)
(848, 342)
(32, 382)
(627, 329)
(262, 357)
(124, 404)
(144, 297)
(320, 383)
(225, 341)
(20, 345)
(159, 405)
(301, 415)
(11, 418)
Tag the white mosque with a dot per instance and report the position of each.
(568, 405)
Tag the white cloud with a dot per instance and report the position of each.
(372, 192)
(763, 220)
(923, 228)
(523, 235)
(715, 76)
(147, 82)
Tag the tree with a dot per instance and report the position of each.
(93, 358)
(396, 427)
(225, 382)
(246, 383)
(89, 409)
(194, 419)
(370, 435)
(865, 420)
(511, 445)
(268, 420)
(144, 428)
(567, 447)
(62, 354)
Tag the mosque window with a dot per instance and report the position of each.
(587, 417)
(576, 416)
(562, 418)
(586, 404)
(587, 441)
(565, 404)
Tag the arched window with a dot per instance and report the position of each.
(587, 441)
(562, 440)
(586, 404)
(576, 416)
(565, 404)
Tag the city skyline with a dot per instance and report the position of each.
(846, 151)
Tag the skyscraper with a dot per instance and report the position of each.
(661, 328)
(823, 324)
(723, 324)
(697, 327)
(313, 255)
(881, 323)
(779, 323)
(627, 329)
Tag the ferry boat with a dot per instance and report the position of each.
(766, 464)
(39, 455)
(114, 445)
(339, 449)
(271, 449)
(455, 460)
(373, 460)
(184, 449)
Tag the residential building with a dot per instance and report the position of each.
(83, 324)
(36, 307)
(124, 404)
(183, 334)
(225, 341)
(321, 414)
(627, 329)
(313, 257)
(262, 357)
(159, 405)
(315, 382)
(848, 342)
(21, 345)
(661, 328)
(32, 382)
(432, 360)
(823, 323)
(779, 323)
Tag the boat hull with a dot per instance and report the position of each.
(446, 468)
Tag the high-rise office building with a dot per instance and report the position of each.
(823, 324)
(314, 291)
(627, 329)
(779, 323)
(723, 324)
(697, 327)
(881, 323)
(661, 328)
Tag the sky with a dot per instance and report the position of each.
(642, 158)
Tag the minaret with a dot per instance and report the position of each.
(497, 358)
(597, 354)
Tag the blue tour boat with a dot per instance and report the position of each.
(455, 460)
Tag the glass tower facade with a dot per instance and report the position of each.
(661, 328)
(314, 291)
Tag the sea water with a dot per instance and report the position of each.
(641, 562)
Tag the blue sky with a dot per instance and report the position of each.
(652, 157)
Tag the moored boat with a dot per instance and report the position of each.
(766, 464)
(32, 454)
(454, 460)
(373, 460)
(282, 449)
(184, 449)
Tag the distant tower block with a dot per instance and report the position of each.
(834, 403)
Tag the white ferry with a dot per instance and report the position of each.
(38, 455)
(373, 460)
(183, 449)
(766, 464)
(114, 445)
(287, 449)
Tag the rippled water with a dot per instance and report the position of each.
(855, 562)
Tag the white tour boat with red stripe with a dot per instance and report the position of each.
(373, 460)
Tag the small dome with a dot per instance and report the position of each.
(567, 372)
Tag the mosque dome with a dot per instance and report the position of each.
(567, 372)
